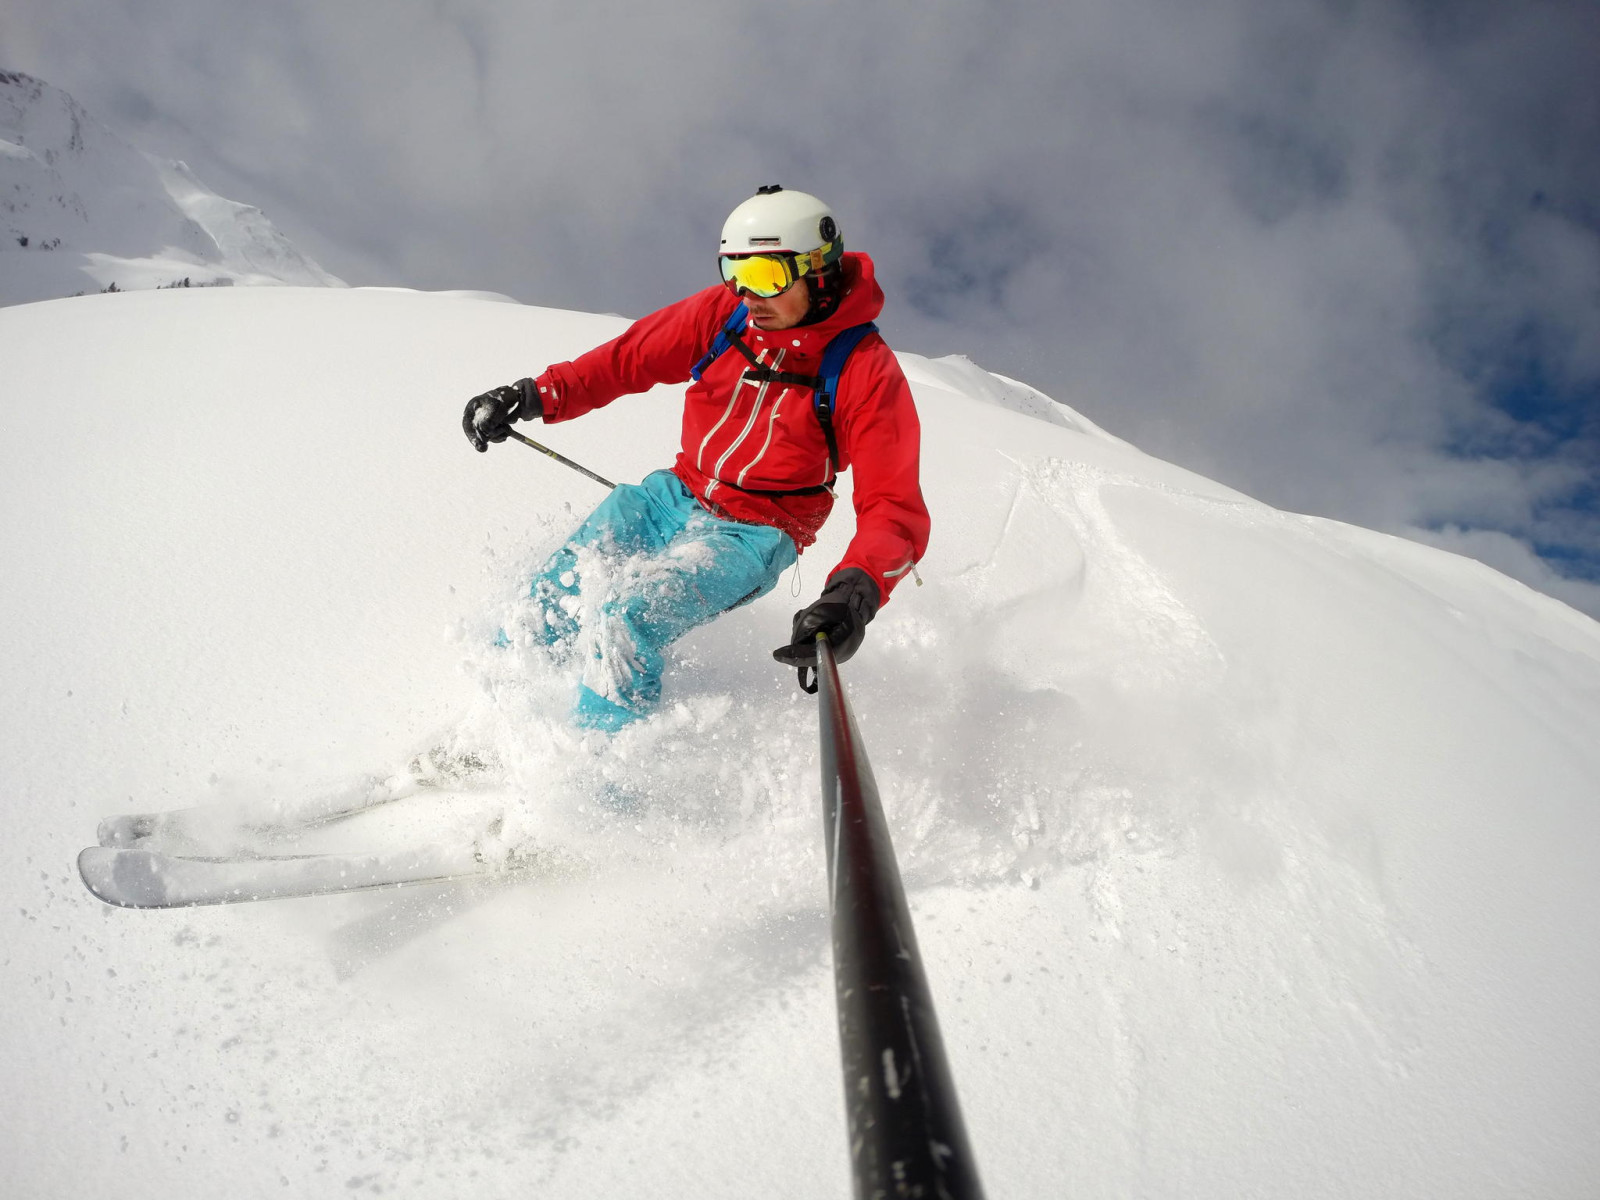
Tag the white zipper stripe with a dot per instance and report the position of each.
(771, 421)
(755, 411)
(733, 398)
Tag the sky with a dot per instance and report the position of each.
(1340, 254)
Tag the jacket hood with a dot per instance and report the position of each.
(863, 298)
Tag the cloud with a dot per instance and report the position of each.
(1344, 256)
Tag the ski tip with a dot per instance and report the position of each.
(124, 830)
(123, 877)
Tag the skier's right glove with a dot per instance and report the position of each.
(842, 612)
(488, 417)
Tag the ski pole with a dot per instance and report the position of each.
(560, 458)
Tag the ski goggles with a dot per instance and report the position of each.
(769, 275)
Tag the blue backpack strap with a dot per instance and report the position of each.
(822, 397)
(735, 323)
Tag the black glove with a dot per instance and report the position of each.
(488, 417)
(847, 604)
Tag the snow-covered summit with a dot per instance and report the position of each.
(81, 210)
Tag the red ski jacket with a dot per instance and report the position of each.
(742, 438)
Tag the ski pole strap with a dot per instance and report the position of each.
(810, 688)
(795, 655)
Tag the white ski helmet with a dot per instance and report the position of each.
(775, 221)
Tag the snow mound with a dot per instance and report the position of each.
(82, 210)
(960, 376)
(1250, 853)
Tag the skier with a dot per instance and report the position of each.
(753, 481)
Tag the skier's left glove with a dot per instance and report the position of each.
(847, 604)
(488, 417)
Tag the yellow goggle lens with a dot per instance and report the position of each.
(765, 275)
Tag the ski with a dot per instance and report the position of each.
(437, 768)
(133, 877)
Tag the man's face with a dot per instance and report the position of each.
(783, 311)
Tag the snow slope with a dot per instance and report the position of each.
(81, 209)
(1251, 853)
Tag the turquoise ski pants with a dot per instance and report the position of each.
(646, 567)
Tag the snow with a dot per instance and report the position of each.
(82, 210)
(1250, 853)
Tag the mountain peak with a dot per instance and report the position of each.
(81, 209)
